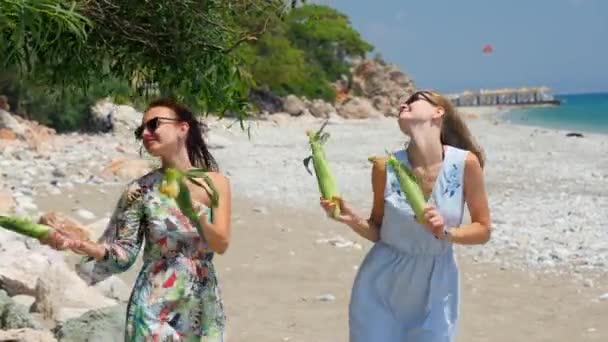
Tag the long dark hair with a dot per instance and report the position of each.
(198, 153)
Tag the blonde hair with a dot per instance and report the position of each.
(454, 130)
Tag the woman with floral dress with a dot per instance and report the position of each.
(407, 288)
(176, 296)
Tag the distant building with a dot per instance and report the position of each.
(499, 97)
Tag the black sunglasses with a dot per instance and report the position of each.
(151, 125)
(420, 95)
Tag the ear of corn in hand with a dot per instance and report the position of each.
(325, 181)
(173, 185)
(409, 186)
(26, 227)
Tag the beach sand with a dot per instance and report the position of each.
(282, 281)
(288, 271)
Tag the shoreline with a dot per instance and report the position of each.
(501, 113)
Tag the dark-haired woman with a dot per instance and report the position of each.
(176, 296)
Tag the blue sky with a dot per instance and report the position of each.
(562, 44)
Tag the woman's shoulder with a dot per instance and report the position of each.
(217, 176)
(378, 163)
(464, 155)
(144, 183)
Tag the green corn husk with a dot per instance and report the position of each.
(409, 186)
(174, 186)
(26, 227)
(325, 181)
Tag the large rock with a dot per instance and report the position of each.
(20, 268)
(384, 105)
(358, 108)
(42, 273)
(61, 295)
(26, 335)
(7, 134)
(109, 117)
(321, 109)
(126, 119)
(39, 137)
(102, 325)
(266, 101)
(15, 316)
(293, 105)
(7, 121)
(385, 84)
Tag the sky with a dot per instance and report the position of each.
(562, 44)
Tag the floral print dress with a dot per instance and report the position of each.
(176, 296)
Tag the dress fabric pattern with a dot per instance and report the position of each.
(176, 296)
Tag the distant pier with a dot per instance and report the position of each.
(505, 97)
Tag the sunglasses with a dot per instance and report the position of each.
(420, 95)
(151, 125)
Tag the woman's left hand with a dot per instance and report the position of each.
(434, 222)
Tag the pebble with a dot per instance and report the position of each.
(326, 298)
(85, 214)
(261, 210)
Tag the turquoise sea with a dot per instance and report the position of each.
(577, 113)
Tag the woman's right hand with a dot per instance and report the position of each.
(347, 214)
(57, 241)
(61, 242)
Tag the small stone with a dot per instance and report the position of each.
(85, 214)
(604, 296)
(588, 283)
(58, 173)
(326, 298)
(261, 210)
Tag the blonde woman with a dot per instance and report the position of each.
(407, 288)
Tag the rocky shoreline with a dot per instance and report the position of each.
(547, 198)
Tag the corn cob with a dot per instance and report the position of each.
(26, 227)
(174, 186)
(409, 186)
(325, 181)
